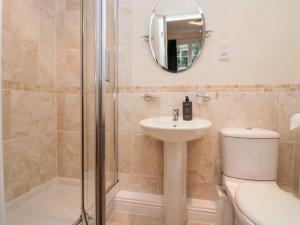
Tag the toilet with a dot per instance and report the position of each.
(249, 162)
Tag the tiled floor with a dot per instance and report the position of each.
(58, 204)
(120, 218)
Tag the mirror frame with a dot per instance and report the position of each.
(198, 56)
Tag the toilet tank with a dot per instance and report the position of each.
(250, 153)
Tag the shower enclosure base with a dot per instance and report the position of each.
(175, 160)
(56, 202)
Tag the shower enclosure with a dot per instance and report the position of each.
(59, 110)
(99, 107)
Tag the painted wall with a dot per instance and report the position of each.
(263, 35)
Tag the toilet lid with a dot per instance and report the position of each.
(267, 204)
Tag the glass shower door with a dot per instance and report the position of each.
(93, 189)
(99, 154)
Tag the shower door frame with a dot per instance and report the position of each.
(2, 201)
(100, 191)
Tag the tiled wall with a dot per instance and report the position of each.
(297, 154)
(141, 157)
(41, 92)
(68, 76)
(29, 103)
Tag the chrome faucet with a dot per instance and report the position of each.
(175, 114)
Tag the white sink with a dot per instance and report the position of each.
(175, 135)
(165, 129)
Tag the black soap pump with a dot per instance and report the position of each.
(187, 107)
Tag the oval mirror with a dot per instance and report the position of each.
(177, 34)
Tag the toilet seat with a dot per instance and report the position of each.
(267, 204)
(252, 199)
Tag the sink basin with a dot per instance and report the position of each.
(165, 129)
(175, 135)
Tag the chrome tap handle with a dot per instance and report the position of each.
(175, 113)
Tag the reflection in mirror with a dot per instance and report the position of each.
(176, 34)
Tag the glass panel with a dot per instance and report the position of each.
(89, 108)
(110, 109)
(93, 106)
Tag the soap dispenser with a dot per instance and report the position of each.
(187, 107)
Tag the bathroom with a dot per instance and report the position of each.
(93, 105)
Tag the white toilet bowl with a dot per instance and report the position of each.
(261, 203)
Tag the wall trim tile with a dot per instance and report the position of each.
(212, 88)
(22, 86)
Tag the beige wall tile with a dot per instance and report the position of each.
(296, 169)
(67, 39)
(262, 110)
(47, 24)
(142, 110)
(228, 110)
(6, 8)
(47, 75)
(31, 119)
(34, 161)
(26, 118)
(8, 162)
(68, 172)
(287, 108)
(138, 183)
(61, 121)
(125, 152)
(71, 20)
(48, 156)
(68, 111)
(20, 58)
(285, 164)
(200, 190)
(109, 152)
(72, 4)
(160, 186)
(51, 4)
(125, 124)
(110, 113)
(68, 70)
(25, 18)
(6, 106)
(69, 149)
(72, 111)
(147, 156)
(202, 159)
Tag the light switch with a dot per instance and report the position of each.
(224, 50)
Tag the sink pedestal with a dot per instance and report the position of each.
(175, 135)
(175, 160)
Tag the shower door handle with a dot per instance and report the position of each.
(107, 64)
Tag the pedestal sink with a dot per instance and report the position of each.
(175, 135)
